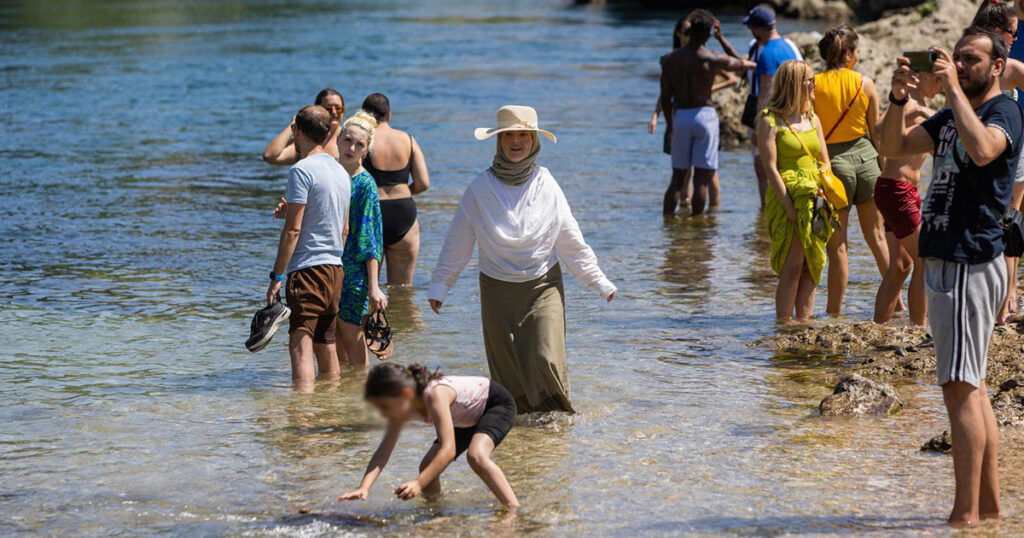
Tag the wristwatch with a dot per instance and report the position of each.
(898, 102)
(277, 277)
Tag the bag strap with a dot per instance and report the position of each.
(848, 107)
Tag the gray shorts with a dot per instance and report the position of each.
(963, 302)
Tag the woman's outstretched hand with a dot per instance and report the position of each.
(356, 495)
(611, 297)
(435, 305)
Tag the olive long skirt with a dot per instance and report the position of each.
(524, 336)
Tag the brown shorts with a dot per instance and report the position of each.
(313, 294)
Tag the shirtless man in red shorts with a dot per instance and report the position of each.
(899, 201)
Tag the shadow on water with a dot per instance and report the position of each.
(685, 269)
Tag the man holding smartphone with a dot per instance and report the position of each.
(976, 140)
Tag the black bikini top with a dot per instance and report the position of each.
(386, 178)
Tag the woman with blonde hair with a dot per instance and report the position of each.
(364, 244)
(847, 104)
(791, 143)
(520, 221)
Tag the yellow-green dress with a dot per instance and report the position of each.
(800, 175)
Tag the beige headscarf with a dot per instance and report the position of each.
(515, 173)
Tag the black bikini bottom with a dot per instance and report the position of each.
(399, 215)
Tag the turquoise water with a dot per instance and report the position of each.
(136, 236)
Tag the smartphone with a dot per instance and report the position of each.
(921, 61)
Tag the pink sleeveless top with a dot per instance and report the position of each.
(470, 398)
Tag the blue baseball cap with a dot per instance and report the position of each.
(760, 17)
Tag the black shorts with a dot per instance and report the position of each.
(498, 418)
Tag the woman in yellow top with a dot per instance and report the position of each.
(847, 103)
(788, 133)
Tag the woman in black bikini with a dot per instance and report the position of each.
(396, 158)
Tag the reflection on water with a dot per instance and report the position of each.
(136, 242)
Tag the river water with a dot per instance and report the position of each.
(136, 238)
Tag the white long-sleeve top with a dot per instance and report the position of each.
(522, 232)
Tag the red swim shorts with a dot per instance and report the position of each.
(900, 205)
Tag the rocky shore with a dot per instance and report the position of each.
(881, 42)
(875, 358)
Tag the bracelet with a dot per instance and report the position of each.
(898, 102)
(277, 277)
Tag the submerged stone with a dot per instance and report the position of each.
(858, 395)
(940, 443)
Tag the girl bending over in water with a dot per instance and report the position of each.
(470, 414)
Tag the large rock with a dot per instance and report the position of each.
(870, 10)
(858, 395)
(881, 42)
(828, 10)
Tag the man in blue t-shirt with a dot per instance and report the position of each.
(976, 140)
(769, 50)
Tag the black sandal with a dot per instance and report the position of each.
(377, 332)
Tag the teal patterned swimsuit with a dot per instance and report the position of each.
(365, 241)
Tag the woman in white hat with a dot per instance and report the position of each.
(517, 214)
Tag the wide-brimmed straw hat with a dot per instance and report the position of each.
(514, 118)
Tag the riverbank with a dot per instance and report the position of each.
(904, 354)
(881, 41)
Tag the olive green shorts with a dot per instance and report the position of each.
(856, 164)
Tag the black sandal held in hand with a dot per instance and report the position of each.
(377, 332)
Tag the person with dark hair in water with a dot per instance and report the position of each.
(309, 252)
(846, 102)
(687, 77)
(678, 192)
(977, 145)
(470, 414)
(281, 150)
(398, 166)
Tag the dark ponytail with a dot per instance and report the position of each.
(389, 379)
(837, 43)
(676, 43)
(995, 16)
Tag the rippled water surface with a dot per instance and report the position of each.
(136, 238)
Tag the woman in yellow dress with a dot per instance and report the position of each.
(788, 133)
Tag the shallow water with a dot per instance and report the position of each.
(136, 237)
